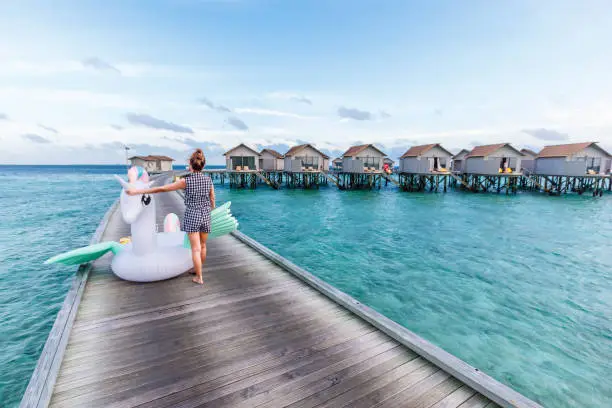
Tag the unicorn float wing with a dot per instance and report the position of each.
(149, 256)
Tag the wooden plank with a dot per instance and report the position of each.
(196, 353)
(373, 392)
(424, 394)
(319, 392)
(477, 401)
(329, 376)
(481, 382)
(456, 398)
(39, 389)
(173, 379)
(204, 310)
(102, 315)
(161, 339)
(240, 393)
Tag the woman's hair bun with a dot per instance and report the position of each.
(197, 160)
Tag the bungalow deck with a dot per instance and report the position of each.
(261, 332)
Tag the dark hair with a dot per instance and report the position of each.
(197, 160)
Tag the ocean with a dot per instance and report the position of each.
(518, 286)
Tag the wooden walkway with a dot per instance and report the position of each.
(256, 335)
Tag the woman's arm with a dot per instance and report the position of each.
(212, 196)
(177, 185)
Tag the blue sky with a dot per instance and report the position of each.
(80, 78)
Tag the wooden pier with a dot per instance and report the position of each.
(594, 184)
(507, 183)
(305, 179)
(435, 181)
(361, 181)
(262, 332)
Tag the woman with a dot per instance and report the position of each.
(199, 201)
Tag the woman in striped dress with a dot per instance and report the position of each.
(199, 202)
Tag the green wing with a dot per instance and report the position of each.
(85, 254)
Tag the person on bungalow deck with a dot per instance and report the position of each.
(199, 202)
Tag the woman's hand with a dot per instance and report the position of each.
(132, 192)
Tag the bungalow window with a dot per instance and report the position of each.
(371, 162)
(309, 161)
(593, 164)
(512, 163)
(439, 163)
(242, 162)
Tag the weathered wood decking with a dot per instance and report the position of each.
(261, 332)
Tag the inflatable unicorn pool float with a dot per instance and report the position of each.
(148, 255)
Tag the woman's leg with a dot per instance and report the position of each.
(194, 240)
(203, 239)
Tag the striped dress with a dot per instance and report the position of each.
(197, 203)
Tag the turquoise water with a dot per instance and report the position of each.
(518, 286)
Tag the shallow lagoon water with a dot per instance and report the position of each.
(518, 286)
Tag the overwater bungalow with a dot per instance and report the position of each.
(575, 159)
(528, 160)
(152, 163)
(337, 164)
(493, 159)
(365, 158)
(271, 161)
(424, 159)
(389, 162)
(305, 158)
(459, 161)
(242, 158)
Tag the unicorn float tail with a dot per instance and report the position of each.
(86, 254)
(221, 221)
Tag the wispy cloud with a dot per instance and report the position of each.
(32, 137)
(155, 123)
(207, 146)
(99, 65)
(301, 99)
(117, 127)
(237, 123)
(3, 116)
(211, 105)
(271, 112)
(48, 128)
(546, 134)
(355, 114)
(385, 114)
(290, 97)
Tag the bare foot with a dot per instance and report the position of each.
(198, 280)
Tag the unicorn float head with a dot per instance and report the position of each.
(139, 210)
(150, 255)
